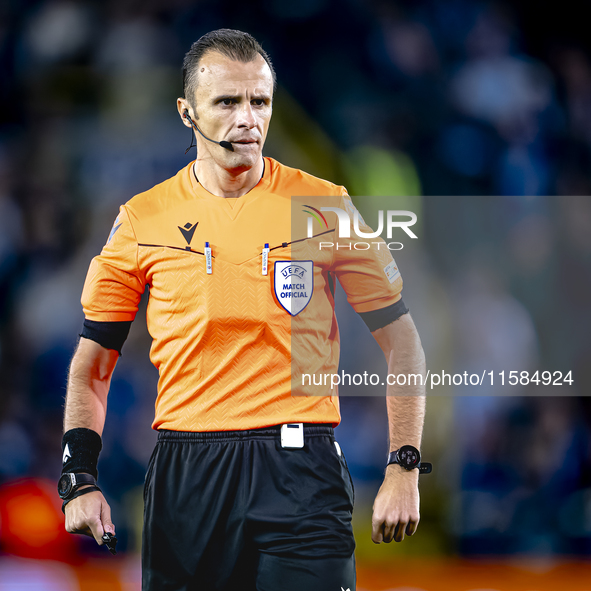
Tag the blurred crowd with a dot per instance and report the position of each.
(460, 111)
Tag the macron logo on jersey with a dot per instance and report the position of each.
(187, 231)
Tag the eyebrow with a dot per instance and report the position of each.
(237, 97)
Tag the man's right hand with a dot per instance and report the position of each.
(90, 515)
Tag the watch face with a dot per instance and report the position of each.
(409, 457)
(64, 485)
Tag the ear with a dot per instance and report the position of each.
(183, 107)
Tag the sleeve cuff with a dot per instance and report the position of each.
(384, 316)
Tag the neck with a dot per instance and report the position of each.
(227, 183)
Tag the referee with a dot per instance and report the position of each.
(247, 487)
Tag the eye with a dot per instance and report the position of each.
(228, 101)
(258, 102)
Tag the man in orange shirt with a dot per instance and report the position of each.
(247, 486)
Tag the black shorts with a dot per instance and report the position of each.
(234, 510)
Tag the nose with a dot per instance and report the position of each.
(246, 118)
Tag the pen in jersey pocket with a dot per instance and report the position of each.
(208, 266)
(265, 258)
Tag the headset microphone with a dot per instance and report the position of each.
(223, 143)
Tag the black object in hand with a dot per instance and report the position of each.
(110, 542)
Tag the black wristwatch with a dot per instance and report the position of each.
(409, 458)
(70, 482)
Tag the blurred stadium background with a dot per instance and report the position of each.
(476, 115)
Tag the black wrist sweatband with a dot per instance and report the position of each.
(80, 449)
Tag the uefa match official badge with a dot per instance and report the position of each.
(294, 284)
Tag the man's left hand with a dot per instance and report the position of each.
(396, 508)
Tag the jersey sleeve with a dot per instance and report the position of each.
(369, 276)
(114, 284)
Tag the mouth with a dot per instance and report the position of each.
(245, 142)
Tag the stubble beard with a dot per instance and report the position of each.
(242, 162)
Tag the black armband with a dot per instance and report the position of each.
(384, 316)
(110, 335)
(81, 448)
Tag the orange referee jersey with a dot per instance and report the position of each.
(230, 342)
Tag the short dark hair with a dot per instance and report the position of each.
(234, 44)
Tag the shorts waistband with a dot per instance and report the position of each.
(310, 430)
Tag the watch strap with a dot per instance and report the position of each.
(424, 467)
(82, 478)
(75, 481)
(79, 493)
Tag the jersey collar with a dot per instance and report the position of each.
(261, 186)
